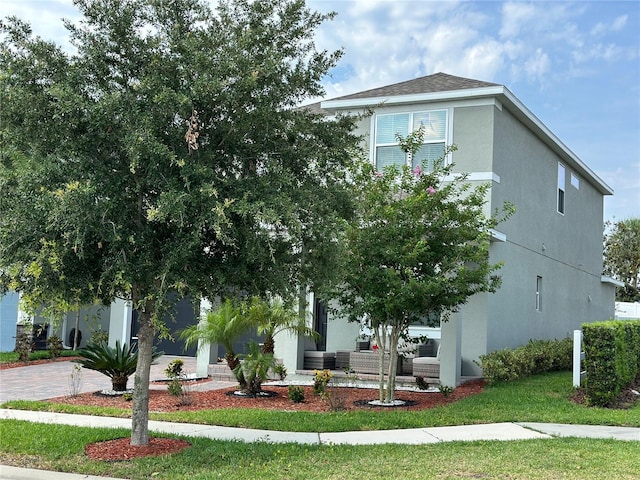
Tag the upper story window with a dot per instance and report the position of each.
(387, 149)
(561, 183)
(575, 181)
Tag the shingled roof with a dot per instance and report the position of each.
(438, 82)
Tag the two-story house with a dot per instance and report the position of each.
(551, 247)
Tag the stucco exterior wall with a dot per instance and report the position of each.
(473, 135)
(565, 250)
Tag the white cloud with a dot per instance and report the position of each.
(480, 60)
(537, 66)
(617, 24)
(45, 22)
(609, 52)
(625, 182)
(515, 16)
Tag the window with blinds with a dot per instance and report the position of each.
(387, 149)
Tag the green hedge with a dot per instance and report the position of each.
(537, 356)
(612, 358)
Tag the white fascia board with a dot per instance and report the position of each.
(415, 98)
(612, 281)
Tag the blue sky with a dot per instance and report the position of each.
(575, 65)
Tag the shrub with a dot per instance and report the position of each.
(24, 345)
(174, 368)
(117, 363)
(255, 368)
(537, 356)
(335, 396)
(612, 359)
(296, 393)
(421, 384)
(445, 390)
(75, 380)
(320, 380)
(54, 345)
(99, 336)
(280, 370)
(175, 387)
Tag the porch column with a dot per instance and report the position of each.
(119, 322)
(289, 346)
(451, 350)
(206, 353)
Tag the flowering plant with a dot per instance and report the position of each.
(320, 380)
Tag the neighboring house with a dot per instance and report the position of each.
(627, 311)
(117, 319)
(551, 247)
(8, 321)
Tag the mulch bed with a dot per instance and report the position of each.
(627, 399)
(120, 449)
(160, 401)
(278, 399)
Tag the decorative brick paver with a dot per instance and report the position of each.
(49, 380)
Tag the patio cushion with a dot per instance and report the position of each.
(427, 366)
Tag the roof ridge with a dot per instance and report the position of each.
(436, 82)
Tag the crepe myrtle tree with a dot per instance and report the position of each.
(164, 154)
(418, 248)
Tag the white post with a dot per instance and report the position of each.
(577, 357)
(203, 353)
(451, 351)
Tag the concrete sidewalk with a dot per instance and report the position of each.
(410, 436)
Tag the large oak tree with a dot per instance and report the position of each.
(166, 154)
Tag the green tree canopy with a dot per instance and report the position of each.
(622, 257)
(165, 154)
(418, 249)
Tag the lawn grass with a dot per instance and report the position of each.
(60, 447)
(541, 398)
(12, 357)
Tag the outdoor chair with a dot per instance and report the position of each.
(427, 366)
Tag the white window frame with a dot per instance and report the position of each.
(446, 140)
(538, 293)
(561, 192)
(575, 181)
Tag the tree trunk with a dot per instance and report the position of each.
(233, 363)
(269, 344)
(379, 333)
(140, 411)
(119, 383)
(393, 364)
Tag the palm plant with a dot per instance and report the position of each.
(117, 363)
(224, 325)
(274, 317)
(255, 368)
